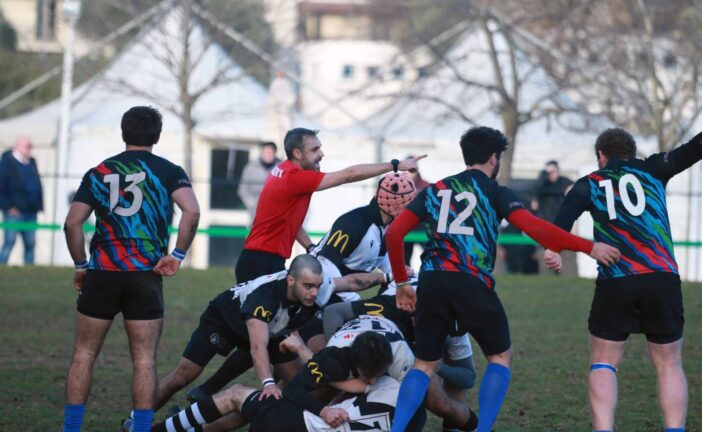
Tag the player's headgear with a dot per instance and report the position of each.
(395, 191)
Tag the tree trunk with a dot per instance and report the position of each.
(510, 124)
(186, 114)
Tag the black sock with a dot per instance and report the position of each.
(236, 364)
(202, 412)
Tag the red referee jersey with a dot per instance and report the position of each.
(281, 209)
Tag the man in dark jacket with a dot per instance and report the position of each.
(20, 197)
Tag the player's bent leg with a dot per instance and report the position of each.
(672, 383)
(455, 412)
(185, 373)
(605, 357)
(89, 337)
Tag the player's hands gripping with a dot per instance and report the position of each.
(553, 260)
(605, 254)
(292, 343)
(167, 266)
(410, 163)
(334, 417)
(406, 298)
(78, 278)
(271, 390)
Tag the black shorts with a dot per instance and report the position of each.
(252, 264)
(452, 303)
(650, 304)
(212, 337)
(138, 295)
(272, 415)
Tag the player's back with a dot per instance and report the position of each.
(462, 214)
(131, 196)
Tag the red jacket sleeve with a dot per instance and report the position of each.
(395, 241)
(548, 235)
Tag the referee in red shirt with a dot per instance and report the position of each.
(286, 197)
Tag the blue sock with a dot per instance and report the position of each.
(674, 429)
(142, 420)
(412, 392)
(492, 393)
(73, 417)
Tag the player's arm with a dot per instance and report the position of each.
(258, 340)
(576, 202)
(335, 315)
(78, 213)
(293, 343)
(360, 172)
(355, 282)
(185, 199)
(667, 165)
(304, 239)
(395, 241)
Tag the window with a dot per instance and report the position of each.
(398, 72)
(347, 71)
(670, 61)
(225, 251)
(46, 20)
(227, 166)
(373, 72)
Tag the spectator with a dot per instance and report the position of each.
(255, 174)
(20, 197)
(420, 184)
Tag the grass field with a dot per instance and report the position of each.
(547, 316)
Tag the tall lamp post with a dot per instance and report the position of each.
(71, 13)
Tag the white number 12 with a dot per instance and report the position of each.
(456, 226)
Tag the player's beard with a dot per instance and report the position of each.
(496, 170)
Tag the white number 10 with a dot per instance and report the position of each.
(456, 226)
(624, 182)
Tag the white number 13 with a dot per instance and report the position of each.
(456, 226)
(132, 187)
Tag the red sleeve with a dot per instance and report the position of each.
(304, 181)
(547, 234)
(395, 241)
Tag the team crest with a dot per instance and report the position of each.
(214, 338)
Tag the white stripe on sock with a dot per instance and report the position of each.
(170, 427)
(184, 420)
(198, 415)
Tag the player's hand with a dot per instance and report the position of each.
(605, 254)
(553, 260)
(292, 343)
(406, 298)
(78, 278)
(410, 271)
(334, 417)
(167, 266)
(410, 163)
(271, 390)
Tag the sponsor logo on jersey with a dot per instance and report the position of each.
(214, 338)
(337, 238)
(261, 312)
(374, 309)
(314, 370)
(277, 172)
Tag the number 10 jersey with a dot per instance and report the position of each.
(131, 196)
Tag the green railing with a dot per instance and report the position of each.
(242, 232)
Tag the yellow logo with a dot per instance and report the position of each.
(378, 309)
(314, 370)
(336, 238)
(261, 312)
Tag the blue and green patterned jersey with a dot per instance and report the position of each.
(628, 206)
(131, 196)
(461, 215)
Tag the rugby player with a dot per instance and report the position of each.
(357, 367)
(131, 194)
(456, 287)
(641, 293)
(354, 244)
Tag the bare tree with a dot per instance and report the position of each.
(635, 62)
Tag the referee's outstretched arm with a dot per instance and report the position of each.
(360, 172)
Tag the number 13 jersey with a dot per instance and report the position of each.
(461, 215)
(131, 196)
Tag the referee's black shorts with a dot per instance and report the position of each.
(252, 264)
(452, 303)
(650, 304)
(138, 295)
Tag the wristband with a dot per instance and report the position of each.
(268, 381)
(399, 284)
(81, 265)
(178, 254)
(310, 247)
(388, 278)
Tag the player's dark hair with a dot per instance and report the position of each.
(480, 142)
(371, 354)
(616, 143)
(305, 261)
(552, 162)
(265, 144)
(295, 138)
(141, 126)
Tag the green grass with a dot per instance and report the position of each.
(547, 316)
